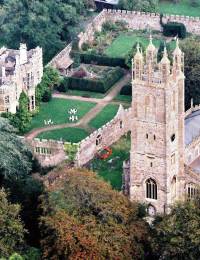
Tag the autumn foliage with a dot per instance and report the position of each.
(83, 218)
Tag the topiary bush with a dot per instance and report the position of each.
(63, 86)
(103, 60)
(126, 90)
(96, 85)
(173, 29)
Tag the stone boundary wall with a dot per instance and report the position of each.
(137, 21)
(48, 152)
(108, 134)
(62, 57)
(51, 152)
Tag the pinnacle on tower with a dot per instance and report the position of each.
(165, 59)
(177, 50)
(151, 52)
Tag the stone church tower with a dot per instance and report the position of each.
(157, 129)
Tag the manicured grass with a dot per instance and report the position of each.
(82, 93)
(111, 169)
(73, 135)
(57, 111)
(124, 43)
(104, 116)
(182, 8)
(123, 98)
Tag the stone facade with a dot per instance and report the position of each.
(20, 70)
(157, 159)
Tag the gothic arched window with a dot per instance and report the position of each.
(151, 189)
(192, 190)
(173, 186)
(98, 139)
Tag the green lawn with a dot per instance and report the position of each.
(124, 43)
(73, 135)
(182, 8)
(123, 98)
(82, 93)
(111, 169)
(57, 111)
(104, 116)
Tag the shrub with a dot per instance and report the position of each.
(47, 96)
(63, 87)
(173, 29)
(81, 73)
(126, 90)
(89, 58)
(98, 85)
(85, 46)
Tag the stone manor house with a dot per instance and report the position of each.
(20, 70)
(156, 172)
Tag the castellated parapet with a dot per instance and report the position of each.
(20, 70)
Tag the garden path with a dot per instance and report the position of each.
(83, 122)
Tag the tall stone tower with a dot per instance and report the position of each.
(157, 129)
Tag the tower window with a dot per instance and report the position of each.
(173, 137)
(154, 137)
(147, 136)
(151, 164)
(151, 189)
(121, 125)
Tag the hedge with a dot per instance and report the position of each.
(173, 29)
(126, 90)
(102, 60)
(101, 85)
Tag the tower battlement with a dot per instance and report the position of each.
(147, 69)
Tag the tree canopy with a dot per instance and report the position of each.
(177, 235)
(191, 49)
(49, 24)
(12, 230)
(83, 218)
(139, 5)
(15, 157)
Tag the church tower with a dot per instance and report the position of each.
(157, 129)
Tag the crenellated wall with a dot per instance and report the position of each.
(107, 134)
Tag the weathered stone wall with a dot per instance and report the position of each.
(107, 134)
(62, 60)
(48, 152)
(136, 21)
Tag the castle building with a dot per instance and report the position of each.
(156, 173)
(20, 70)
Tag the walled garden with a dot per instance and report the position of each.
(57, 109)
(120, 152)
